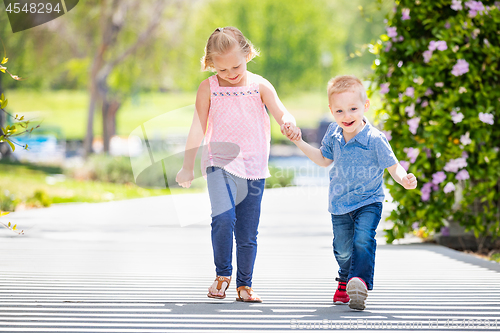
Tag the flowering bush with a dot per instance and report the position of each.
(438, 72)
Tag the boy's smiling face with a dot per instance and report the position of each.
(348, 109)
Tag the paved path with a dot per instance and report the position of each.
(130, 267)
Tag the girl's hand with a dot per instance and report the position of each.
(291, 131)
(184, 178)
(409, 181)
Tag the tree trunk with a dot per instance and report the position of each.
(110, 107)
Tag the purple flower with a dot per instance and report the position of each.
(455, 165)
(405, 164)
(460, 68)
(406, 14)
(428, 152)
(412, 153)
(426, 191)
(445, 231)
(428, 92)
(456, 5)
(447, 25)
(384, 88)
(415, 225)
(388, 135)
(388, 47)
(465, 139)
(462, 175)
(457, 116)
(475, 5)
(439, 84)
(401, 38)
(424, 104)
(449, 188)
(413, 123)
(440, 45)
(438, 177)
(410, 110)
(392, 32)
(487, 118)
(410, 92)
(427, 56)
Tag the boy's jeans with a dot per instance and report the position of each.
(235, 209)
(354, 242)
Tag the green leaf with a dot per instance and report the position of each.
(4, 61)
(11, 144)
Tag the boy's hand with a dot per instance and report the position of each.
(409, 181)
(291, 131)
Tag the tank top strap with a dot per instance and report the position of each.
(214, 83)
(254, 83)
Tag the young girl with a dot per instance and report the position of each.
(231, 115)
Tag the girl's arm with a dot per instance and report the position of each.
(196, 133)
(314, 154)
(276, 108)
(398, 173)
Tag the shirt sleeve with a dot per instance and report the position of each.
(385, 155)
(327, 142)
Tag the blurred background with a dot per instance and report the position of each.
(98, 74)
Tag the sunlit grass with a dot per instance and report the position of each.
(22, 181)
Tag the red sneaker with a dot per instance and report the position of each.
(358, 292)
(341, 296)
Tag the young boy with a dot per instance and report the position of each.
(359, 153)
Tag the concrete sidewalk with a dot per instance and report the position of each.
(130, 266)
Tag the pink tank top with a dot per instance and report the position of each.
(238, 133)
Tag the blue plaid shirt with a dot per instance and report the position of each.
(358, 167)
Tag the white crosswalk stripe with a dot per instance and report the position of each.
(125, 267)
(437, 293)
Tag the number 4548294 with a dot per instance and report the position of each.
(39, 8)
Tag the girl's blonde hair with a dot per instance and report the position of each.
(223, 40)
(340, 84)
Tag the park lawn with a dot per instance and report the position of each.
(23, 180)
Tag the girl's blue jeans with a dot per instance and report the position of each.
(354, 242)
(236, 206)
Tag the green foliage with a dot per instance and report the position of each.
(24, 180)
(39, 199)
(417, 69)
(8, 201)
(104, 168)
(279, 177)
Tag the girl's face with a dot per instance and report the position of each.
(231, 67)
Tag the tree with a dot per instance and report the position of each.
(114, 16)
(438, 70)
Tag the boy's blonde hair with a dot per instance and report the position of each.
(223, 40)
(343, 83)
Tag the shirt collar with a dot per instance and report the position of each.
(361, 137)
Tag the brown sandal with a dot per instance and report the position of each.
(220, 280)
(249, 290)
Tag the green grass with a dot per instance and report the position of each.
(22, 180)
(68, 110)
